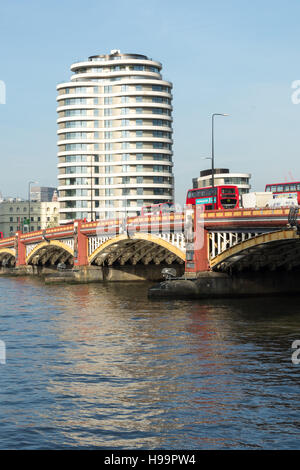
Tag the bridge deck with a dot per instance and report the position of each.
(227, 229)
(213, 220)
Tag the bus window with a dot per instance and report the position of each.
(227, 190)
(279, 188)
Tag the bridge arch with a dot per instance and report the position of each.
(50, 253)
(273, 250)
(140, 248)
(7, 257)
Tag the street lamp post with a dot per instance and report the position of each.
(91, 189)
(29, 185)
(212, 147)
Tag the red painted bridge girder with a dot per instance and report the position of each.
(226, 220)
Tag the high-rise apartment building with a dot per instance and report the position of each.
(114, 137)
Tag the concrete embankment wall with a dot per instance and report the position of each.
(85, 274)
(218, 285)
(123, 273)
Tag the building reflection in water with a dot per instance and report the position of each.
(116, 370)
(139, 367)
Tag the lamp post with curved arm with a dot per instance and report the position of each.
(212, 147)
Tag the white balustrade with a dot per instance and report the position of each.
(95, 242)
(222, 241)
(69, 242)
(30, 247)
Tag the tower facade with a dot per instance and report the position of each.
(114, 137)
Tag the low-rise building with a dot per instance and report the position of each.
(16, 214)
(42, 193)
(223, 176)
(49, 214)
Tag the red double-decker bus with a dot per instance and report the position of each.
(285, 191)
(214, 198)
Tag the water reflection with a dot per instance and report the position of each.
(102, 366)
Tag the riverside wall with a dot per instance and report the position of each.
(84, 274)
(218, 285)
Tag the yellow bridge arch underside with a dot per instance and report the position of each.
(8, 251)
(265, 238)
(51, 243)
(137, 236)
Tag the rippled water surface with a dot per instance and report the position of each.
(101, 366)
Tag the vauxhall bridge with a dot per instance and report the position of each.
(226, 241)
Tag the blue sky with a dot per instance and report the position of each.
(233, 56)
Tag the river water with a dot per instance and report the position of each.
(101, 366)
